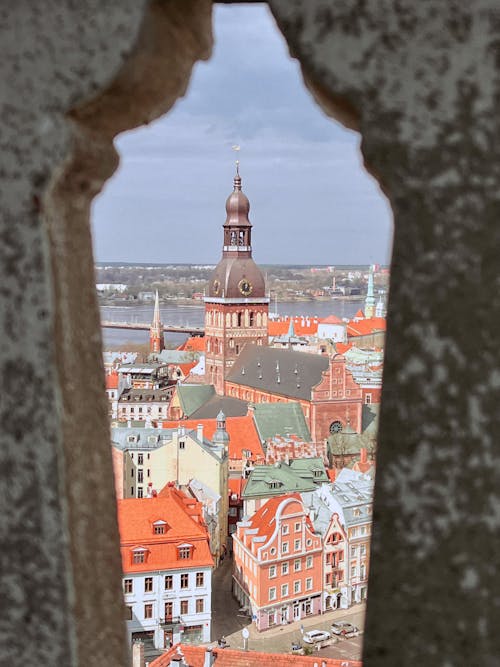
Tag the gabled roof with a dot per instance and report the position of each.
(242, 433)
(183, 517)
(366, 327)
(263, 522)
(230, 406)
(280, 419)
(296, 476)
(285, 372)
(193, 396)
(193, 344)
(331, 319)
(112, 380)
(194, 656)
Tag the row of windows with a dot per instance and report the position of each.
(242, 318)
(285, 567)
(140, 555)
(125, 409)
(285, 548)
(297, 588)
(140, 474)
(285, 528)
(169, 609)
(128, 584)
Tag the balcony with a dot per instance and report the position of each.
(171, 620)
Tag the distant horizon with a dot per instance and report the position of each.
(119, 263)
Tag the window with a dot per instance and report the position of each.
(169, 582)
(353, 571)
(296, 545)
(140, 476)
(200, 579)
(284, 590)
(200, 605)
(309, 542)
(354, 551)
(139, 492)
(131, 490)
(284, 548)
(139, 556)
(140, 459)
(185, 580)
(184, 606)
(148, 585)
(272, 551)
(182, 444)
(296, 586)
(297, 526)
(362, 550)
(285, 529)
(148, 611)
(149, 472)
(297, 565)
(272, 593)
(184, 552)
(159, 529)
(284, 568)
(272, 571)
(309, 562)
(169, 611)
(309, 583)
(128, 586)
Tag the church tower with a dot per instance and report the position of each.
(370, 297)
(156, 340)
(236, 308)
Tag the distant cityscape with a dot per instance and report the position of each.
(244, 457)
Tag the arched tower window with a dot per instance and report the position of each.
(239, 319)
(251, 319)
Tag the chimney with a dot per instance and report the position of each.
(138, 653)
(209, 658)
(199, 432)
(363, 455)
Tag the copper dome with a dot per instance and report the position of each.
(237, 278)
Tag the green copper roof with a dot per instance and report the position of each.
(280, 419)
(272, 480)
(193, 396)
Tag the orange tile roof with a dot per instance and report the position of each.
(186, 368)
(331, 319)
(342, 347)
(193, 344)
(236, 485)
(264, 518)
(303, 326)
(183, 517)
(242, 433)
(359, 314)
(366, 326)
(194, 656)
(112, 380)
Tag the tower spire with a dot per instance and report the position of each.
(156, 340)
(370, 297)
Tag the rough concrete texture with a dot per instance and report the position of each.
(420, 80)
(72, 76)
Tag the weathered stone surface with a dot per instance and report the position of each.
(421, 83)
(108, 66)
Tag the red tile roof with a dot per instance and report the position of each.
(242, 434)
(236, 485)
(193, 344)
(366, 326)
(303, 326)
(341, 348)
(186, 368)
(112, 380)
(264, 518)
(194, 656)
(331, 319)
(183, 517)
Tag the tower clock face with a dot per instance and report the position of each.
(245, 287)
(216, 287)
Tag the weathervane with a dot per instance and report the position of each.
(237, 149)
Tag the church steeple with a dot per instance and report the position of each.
(237, 227)
(156, 340)
(370, 297)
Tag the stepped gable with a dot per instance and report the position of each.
(278, 371)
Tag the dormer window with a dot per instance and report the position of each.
(139, 555)
(159, 527)
(184, 551)
(131, 439)
(317, 472)
(274, 484)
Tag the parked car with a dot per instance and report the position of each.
(343, 628)
(315, 636)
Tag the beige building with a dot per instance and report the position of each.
(151, 458)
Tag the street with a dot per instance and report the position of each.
(227, 620)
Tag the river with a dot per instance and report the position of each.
(194, 316)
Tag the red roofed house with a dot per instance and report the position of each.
(244, 443)
(167, 568)
(201, 656)
(193, 344)
(369, 332)
(332, 328)
(112, 393)
(278, 563)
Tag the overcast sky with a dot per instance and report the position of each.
(311, 200)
